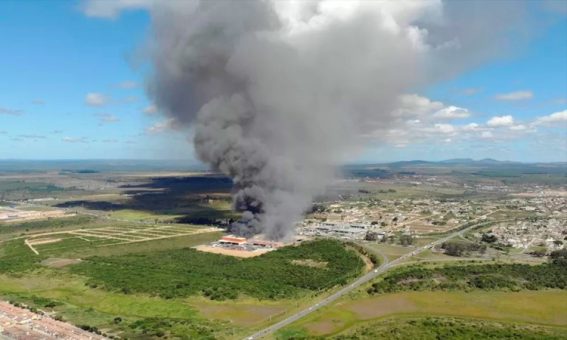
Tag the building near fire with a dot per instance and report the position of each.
(232, 241)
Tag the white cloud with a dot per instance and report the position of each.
(451, 112)
(12, 112)
(445, 128)
(486, 135)
(500, 121)
(411, 105)
(107, 118)
(110, 9)
(96, 99)
(471, 127)
(518, 95)
(32, 137)
(519, 127)
(74, 139)
(160, 127)
(128, 84)
(150, 110)
(556, 117)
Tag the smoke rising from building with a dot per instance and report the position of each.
(278, 92)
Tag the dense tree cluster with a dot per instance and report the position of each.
(465, 277)
(462, 248)
(184, 272)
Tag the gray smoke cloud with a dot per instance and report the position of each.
(278, 92)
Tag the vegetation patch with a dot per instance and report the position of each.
(185, 272)
(531, 307)
(465, 277)
(451, 328)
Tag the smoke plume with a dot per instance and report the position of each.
(278, 92)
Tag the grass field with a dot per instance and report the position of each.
(533, 307)
(84, 301)
(435, 328)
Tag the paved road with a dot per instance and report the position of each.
(360, 281)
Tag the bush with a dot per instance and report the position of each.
(464, 277)
(185, 272)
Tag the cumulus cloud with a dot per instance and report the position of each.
(32, 136)
(556, 117)
(107, 118)
(12, 112)
(128, 84)
(452, 112)
(161, 127)
(414, 105)
(445, 128)
(519, 127)
(500, 121)
(75, 140)
(471, 127)
(150, 110)
(512, 96)
(110, 9)
(96, 99)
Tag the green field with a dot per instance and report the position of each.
(512, 277)
(539, 308)
(434, 328)
(134, 287)
(186, 272)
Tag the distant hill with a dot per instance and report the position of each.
(487, 167)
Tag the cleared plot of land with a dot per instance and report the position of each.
(537, 307)
(230, 252)
(10, 215)
(59, 263)
(76, 238)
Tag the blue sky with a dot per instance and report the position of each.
(72, 87)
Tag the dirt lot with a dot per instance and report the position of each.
(14, 215)
(231, 252)
(59, 263)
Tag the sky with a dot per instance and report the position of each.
(73, 87)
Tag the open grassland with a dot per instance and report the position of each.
(130, 316)
(186, 272)
(10, 230)
(428, 328)
(16, 256)
(533, 307)
(149, 312)
(390, 251)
